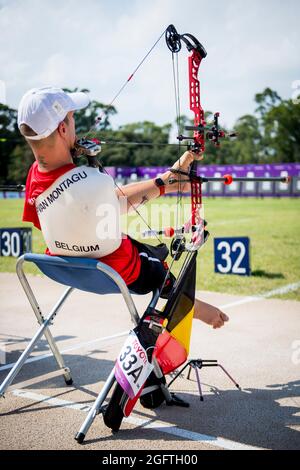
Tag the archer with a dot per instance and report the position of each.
(63, 200)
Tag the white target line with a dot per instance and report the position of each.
(159, 426)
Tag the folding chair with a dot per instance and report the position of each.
(85, 274)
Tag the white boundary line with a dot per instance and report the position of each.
(245, 300)
(265, 295)
(282, 290)
(144, 423)
(72, 348)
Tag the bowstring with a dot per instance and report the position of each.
(99, 118)
(175, 68)
(175, 71)
(132, 205)
(176, 84)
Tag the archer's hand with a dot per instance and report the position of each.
(183, 164)
(219, 319)
(186, 159)
(209, 314)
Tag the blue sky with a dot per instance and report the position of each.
(96, 44)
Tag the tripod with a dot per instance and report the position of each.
(198, 364)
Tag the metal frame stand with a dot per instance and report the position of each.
(48, 321)
(198, 364)
(98, 406)
(43, 330)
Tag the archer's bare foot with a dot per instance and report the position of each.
(209, 314)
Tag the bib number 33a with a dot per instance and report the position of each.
(132, 366)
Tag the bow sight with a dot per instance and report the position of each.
(213, 133)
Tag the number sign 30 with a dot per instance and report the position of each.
(15, 241)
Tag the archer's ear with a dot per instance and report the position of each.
(62, 130)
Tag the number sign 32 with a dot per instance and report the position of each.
(232, 256)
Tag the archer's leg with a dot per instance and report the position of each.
(209, 314)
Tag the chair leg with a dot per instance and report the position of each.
(58, 357)
(37, 311)
(96, 408)
(42, 330)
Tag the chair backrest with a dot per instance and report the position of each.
(80, 273)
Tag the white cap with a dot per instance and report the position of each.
(43, 109)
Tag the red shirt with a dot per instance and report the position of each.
(125, 260)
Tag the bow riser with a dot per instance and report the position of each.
(194, 62)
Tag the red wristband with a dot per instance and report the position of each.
(161, 186)
(162, 190)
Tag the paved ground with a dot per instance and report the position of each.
(258, 347)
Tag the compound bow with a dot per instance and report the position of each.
(172, 330)
(172, 326)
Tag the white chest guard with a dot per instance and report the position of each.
(80, 214)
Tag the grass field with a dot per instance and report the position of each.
(273, 226)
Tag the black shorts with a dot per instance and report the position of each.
(153, 273)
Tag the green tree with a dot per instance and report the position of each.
(136, 144)
(9, 139)
(20, 161)
(247, 148)
(271, 135)
(280, 127)
(86, 118)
